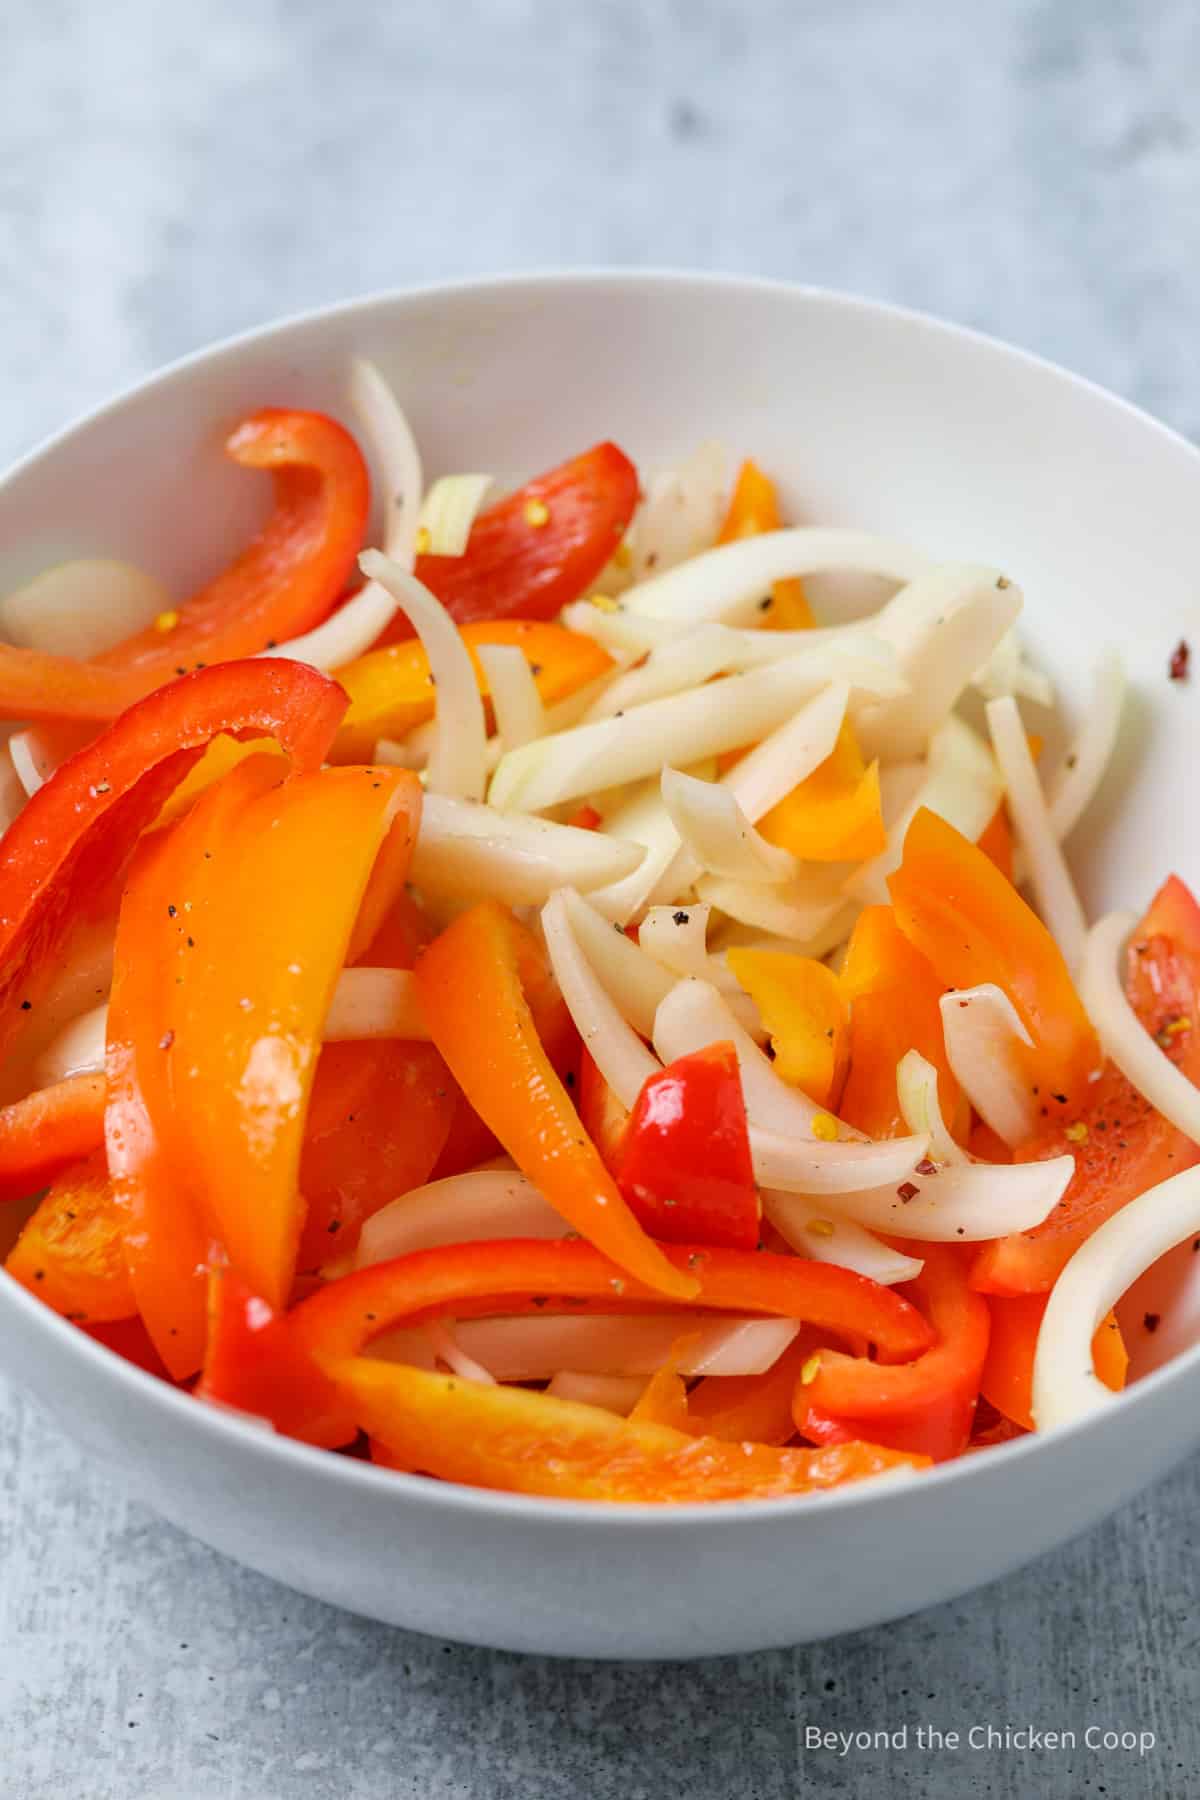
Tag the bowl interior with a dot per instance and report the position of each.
(867, 416)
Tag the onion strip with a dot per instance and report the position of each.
(1122, 1035)
(982, 1027)
(962, 1203)
(462, 1209)
(615, 1048)
(520, 715)
(1053, 887)
(813, 1230)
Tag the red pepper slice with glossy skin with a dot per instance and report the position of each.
(925, 1406)
(470, 986)
(508, 1438)
(47, 1131)
(1121, 1145)
(76, 833)
(281, 585)
(515, 565)
(265, 1364)
(684, 1162)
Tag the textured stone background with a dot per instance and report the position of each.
(169, 174)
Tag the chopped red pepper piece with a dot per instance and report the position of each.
(924, 1406)
(539, 548)
(281, 585)
(684, 1162)
(47, 1131)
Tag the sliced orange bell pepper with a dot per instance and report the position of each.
(954, 904)
(509, 1438)
(804, 1009)
(752, 1409)
(47, 1131)
(264, 1363)
(926, 1405)
(893, 994)
(70, 1250)
(1120, 1143)
(283, 583)
(836, 813)
(73, 837)
(1007, 1379)
(753, 509)
(996, 841)
(391, 690)
(664, 1399)
(258, 895)
(479, 1017)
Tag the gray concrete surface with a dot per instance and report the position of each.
(169, 174)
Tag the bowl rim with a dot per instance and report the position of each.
(248, 1434)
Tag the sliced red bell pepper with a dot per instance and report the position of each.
(470, 986)
(280, 586)
(1007, 1379)
(129, 1339)
(604, 1118)
(70, 1251)
(1121, 1145)
(684, 1159)
(893, 994)
(256, 898)
(926, 1405)
(282, 1382)
(956, 907)
(47, 1131)
(541, 547)
(75, 834)
(509, 1438)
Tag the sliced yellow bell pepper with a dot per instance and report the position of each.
(804, 1009)
(835, 815)
(753, 509)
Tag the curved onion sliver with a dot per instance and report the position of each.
(962, 1203)
(462, 1209)
(1053, 887)
(629, 973)
(1122, 1035)
(464, 847)
(982, 1028)
(82, 607)
(520, 715)
(921, 1107)
(533, 1349)
(814, 1230)
(615, 1048)
(718, 834)
(1070, 788)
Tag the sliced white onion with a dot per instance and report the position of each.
(813, 1230)
(678, 730)
(717, 833)
(939, 626)
(30, 761)
(1053, 887)
(520, 715)
(628, 971)
(443, 1340)
(464, 847)
(1070, 788)
(727, 583)
(615, 1048)
(642, 819)
(83, 607)
(676, 937)
(964, 1203)
(615, 1393)
(463, 1209)
(456, 764)
(982, 1029)
(800, 911)
(684, 662)
(374, 1003)
(1065, 1384)
(355, 626)
(1122, 1035)
(789, 754)
(921, 1107)
(798, 1165)
(77, 1050)
(534, 1349)
(1009, 671)
(448, 512)
(960, 783)
(681, 513)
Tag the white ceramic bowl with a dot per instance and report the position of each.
(872, 417)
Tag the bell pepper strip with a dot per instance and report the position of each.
(378, 1119)
(836, 813)
(537, 549)
(604, 1118)
(955, 906)
(385, 889)
(925, 1406)
(70, 1250)
(804, 1010)
(996, 841)
(47, 1131)
(586, 818)
(258, 894)
(752, 1409)
(893, 995)
(401, 936)
(683, 1164)
(391, 690)
(753, 509)
(74, 835)
(129, 1339)
(1007, 1377)
(664, 1399)
(281, 585)
(509, 1438)
(281, 1381)
(470, 986)
(223, 754)
(1120, 1143)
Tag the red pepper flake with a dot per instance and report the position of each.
(1177, 668)
(1152, 1321)
(908, 1191)
(926, 1166)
